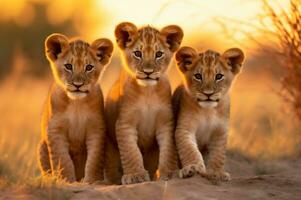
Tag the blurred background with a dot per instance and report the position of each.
(266, 106)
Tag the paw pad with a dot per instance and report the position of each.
(135, 178)
(191, 170)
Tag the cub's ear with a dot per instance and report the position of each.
(104, 48)
(125, 34)
(54, 45)
(234, 58)
(185, 58)
(173, 36)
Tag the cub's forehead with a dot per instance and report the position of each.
(149, 37)
(79, 48)
(209, 59)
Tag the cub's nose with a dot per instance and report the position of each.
(148, 71)
(77, 84)
(208, 93)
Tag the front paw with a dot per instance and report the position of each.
(90, 180)
(217, 176)
(92, 177)
(135, 178)
(191, 170)
(166, 175)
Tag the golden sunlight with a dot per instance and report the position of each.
(93, 18)
(192, 15)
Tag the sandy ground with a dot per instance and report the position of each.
(250, 180)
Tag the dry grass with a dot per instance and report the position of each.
(261, 127)
(286, 28)
(21, 103)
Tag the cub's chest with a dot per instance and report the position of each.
(207, 125)
(77, 117)
(147, 109)
(146, 114)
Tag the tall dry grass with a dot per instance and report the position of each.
(261, 126)
(21, 103)
(286, 27)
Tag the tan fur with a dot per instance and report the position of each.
(202, 110)
(138, 109)
(73, 128)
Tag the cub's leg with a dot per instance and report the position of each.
(168, 160)
(113, 170)
(151, 161)
(217, 156)
(43, 158)
(60, 159)
(95, 151)
(131, 158)
(79, 160)
(190, 156)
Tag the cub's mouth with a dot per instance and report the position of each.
(148, 78)
(147, 81)
(207, 103)
(78, 91)
(207, 100)
(77, 94)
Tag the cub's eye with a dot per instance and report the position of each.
(218, 77)
(159, 54)
(138, 54)
(68, 66)
(89, 67)
(198, 76)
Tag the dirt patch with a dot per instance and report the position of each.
(250, 180)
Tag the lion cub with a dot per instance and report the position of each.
(73, 123)
(138, 107)
(202, 106)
